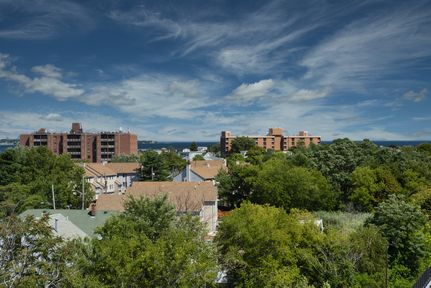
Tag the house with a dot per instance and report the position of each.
(101, 178)
(196, 198)
(111, 177)
(127, 173)
(70, 223)
(201, 170)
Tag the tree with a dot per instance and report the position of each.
(278, 183)
(147, 246)
(338, 160)
(424, 148)
(214, 148)
(27, 176)
(233, 186)
(242, 144)
(174, 162)
(160, 167)
(260, 246)
(125, 158)
(372, 186)
(193, 146)
(198, 157)
(154, 168)
(403, 224)
(369, 255)
(31, 256)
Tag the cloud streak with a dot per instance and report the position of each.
(42, 19)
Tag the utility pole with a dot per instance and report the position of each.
(53, 196)
(83, 193)
(152, 174)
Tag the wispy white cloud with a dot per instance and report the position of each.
(147, 95)
(307, 95)
(424, 118)
(254, 42)
(48, 71)
(250, 92)
(273, 92)
(416, 96)
(387, 43)
(42, 19)
(52, 117)
(151, 96)
(49, 83)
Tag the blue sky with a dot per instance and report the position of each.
(185, 70)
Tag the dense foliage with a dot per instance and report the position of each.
(30, 256)
(242, 144)
(375, 204)
(193, 146)
(160, 167)
(147, 246)
(342, 175)
(27, 177)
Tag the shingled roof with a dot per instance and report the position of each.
(97, 170)
(186, 196)
(207, 169)
(124, 168)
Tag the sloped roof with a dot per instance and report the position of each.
(111, 202)
(207, 169)
(124, 168)
(186, 196)
(78, 218)
(97, 170)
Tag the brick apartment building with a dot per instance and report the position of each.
(94, 147)
(273, 141)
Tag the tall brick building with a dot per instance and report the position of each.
(94, 147)
(273, 141)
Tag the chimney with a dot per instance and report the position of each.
(93, 209)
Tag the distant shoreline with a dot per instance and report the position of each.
(180, 145)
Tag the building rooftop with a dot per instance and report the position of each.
(97, 170)
(72, 223)
(186, 196)
(124, 168)
(207, 169)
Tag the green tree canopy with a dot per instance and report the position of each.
(147, 246)
(198, 158)
(193, 146)
(125, 158)
(27, 176)
(372, 186)
(278, 183)
(242, 144)
(31, 256)
(214, 148)
(403, 224)
(260, 246)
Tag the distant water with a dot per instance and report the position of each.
(183, 145)
(174, 145)
(4, 147)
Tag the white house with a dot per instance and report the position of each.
(200, 170)
(111, 177)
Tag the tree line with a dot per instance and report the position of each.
(268, 239)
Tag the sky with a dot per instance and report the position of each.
(186, 70)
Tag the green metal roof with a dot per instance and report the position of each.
(80, 218)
